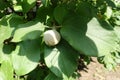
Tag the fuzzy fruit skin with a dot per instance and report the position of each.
(51, 37)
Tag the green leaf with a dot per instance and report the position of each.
(52, 76)
(39, 73)
(94, 39)
(85, 10)
(5, 33)
(5, 51)
(103, 36)
(8, 48)
(27, 5)
(47, 17)
(6, 70)
(59, 58)
(30, 30)
(58, 15)
(7, 26)
(26, 56)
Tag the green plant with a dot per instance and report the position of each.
(87, 27)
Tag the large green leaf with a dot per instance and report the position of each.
(30, 30)
(103, 36)
(6, 70)
(59, 58)
(93, 38)
(26, 56)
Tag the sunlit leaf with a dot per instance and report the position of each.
(30, 30)
(93, 38)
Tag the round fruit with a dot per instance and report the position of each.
(51, 37)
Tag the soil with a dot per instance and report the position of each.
(96, 71)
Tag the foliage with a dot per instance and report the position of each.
(87, 27)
